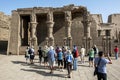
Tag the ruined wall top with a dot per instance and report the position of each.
(71, 8)
(97, 18)
(4, 20)
(114, 18)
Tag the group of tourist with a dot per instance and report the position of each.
(68, 59)
(63, 56)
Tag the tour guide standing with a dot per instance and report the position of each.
(51, 58)
(101, 62)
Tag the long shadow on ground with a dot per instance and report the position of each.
(38, 69)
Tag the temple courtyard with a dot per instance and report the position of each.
(13, 67)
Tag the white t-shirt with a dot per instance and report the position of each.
(82, 51)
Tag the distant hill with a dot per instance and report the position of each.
(4, 26)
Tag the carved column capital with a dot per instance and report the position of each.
(67, 15)
(50, 24)
(50, 16)
(33, 17)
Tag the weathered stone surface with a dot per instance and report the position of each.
(4, 26)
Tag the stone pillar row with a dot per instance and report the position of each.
(50, 24)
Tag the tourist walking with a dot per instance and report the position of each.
(95, 51)
(75, 55)
(101, 62)
(69, 62)
(82, 54)
(51, 58)
(32, 54)
(45, 55)
(60, 59)
(91, 57)
(57, 51)
(64, 50)
(27, 54)
(40, 54)
(116, 51)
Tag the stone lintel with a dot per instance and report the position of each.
(39, 10)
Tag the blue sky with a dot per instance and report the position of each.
(104, 7)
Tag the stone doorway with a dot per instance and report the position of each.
(3, 47)
(41, 30)
(25, 30)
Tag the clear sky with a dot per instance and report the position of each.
(104, 7)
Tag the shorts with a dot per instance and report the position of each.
(60, 62)
(51, 63)
(45, 59)
(91, 58)
(31, 57)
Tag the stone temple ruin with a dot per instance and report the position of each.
(68, 25)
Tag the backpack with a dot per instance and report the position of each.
(75, 53)
(30, 51)
(44, 53)
(69, 58)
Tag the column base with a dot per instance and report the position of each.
(50, 41)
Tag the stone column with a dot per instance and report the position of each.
(86, 23)
(33, 25)
(108, 41)
(50, 25)
(68, 23)
(110, 47)
(104, 44)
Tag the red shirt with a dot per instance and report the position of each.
(116, 50)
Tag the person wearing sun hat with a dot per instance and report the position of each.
(51, 58)
(69, 62)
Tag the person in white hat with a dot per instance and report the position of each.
(60, 59)
(69, 61)
(51, 58)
